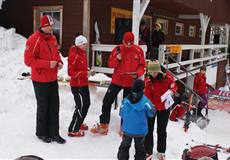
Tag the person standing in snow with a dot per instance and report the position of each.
(156, 84)
(135, 110)
(42, 55)
(78, 71)
(128, 62)
(201, 88)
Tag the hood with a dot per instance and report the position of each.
(139, 106)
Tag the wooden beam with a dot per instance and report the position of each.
(86, 22)
(187, 16)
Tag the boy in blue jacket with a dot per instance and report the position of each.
(134, 112)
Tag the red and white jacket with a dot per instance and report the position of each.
(132, 61)
(154, 89)
(77, 67)
(40, 49)
(200, 85)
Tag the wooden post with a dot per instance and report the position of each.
(227, 37)
(138, 11)
(86, 22)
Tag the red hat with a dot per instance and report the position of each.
(128, 38)
(46, 21)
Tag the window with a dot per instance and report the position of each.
(179, 29)
(55, 12)
(164, 25)
(192, 31)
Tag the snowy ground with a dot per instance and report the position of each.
(18, 113)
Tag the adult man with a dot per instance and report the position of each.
(157, 39)
(42, 55)
(128, 62)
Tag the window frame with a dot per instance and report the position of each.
(37, 13)
(181, 25)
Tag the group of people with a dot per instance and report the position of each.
(152, 40)
(142, 98)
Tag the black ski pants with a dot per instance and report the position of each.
(47, 96)
(82, 103)
(108, 100)
(162, 122)
(123, 152)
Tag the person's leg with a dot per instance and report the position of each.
(140, 153)
(108, 100)
(84, 91)
(77, 115)
(126, 91)
(123, 151)
(41, 94)
(53, 109)
(162, 122)
(149, 136)
(202, 104)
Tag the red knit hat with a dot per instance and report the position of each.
(46, 21)
(128, 38)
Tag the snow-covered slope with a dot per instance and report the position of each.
(18, 114)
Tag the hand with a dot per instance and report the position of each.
(53, 64)
(119, 57)
(171, 92)
(60, 65)
(121, 133)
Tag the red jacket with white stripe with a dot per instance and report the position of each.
(200, 85)
(40, 49)
(132, 61)
(155, 88)
(77, 67)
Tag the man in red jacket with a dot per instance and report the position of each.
(128, 62)
(42, 55)
(201, 88)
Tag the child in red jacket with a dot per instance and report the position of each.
(201, 88)
(78, 71)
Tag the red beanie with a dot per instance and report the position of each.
(128, 38)
(46, 21)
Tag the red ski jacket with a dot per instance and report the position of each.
(200, 85)
(40, 49)
(132, 62)
(154, 89)
(77, 67)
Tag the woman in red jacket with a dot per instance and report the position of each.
(157, 83)
(78, 71)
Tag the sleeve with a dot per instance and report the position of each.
(195, 84)
(113, 62)
(173, 86)
(121, 112)
(72, 70)
(150, 109)
(148, 92)
(30, 55)
(141, 68)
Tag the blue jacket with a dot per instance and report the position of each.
(135, 116)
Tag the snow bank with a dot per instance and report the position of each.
(1, 1)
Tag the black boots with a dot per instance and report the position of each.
(57, 139)
(45, 139)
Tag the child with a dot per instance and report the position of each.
(135, 110)
(78, 71)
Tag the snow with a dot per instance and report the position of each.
(18, 114)
(1, 1)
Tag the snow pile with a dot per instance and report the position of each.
(18, 114)
(1, 1)
(9, 40)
